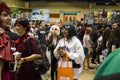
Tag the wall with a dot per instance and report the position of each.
(82, 7)
(15, 3)
(57, 7)
(108, 8)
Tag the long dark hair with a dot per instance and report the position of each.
(71, 30)
(117, 35)
(4, 7)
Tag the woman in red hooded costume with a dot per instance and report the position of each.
(5, 48)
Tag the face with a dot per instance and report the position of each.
(114, 25)
(59, 24)
(65, 32)
(5, 19)
(43, 24)
(20, 29)
(54, 30)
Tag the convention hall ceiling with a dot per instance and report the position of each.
(80, 0)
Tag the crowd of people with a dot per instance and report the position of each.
(84, 44)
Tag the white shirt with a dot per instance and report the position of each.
(100, 39)
(85, 38)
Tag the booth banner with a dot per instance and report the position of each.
(40, 14)
(109, 15)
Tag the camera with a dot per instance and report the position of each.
(62, 48)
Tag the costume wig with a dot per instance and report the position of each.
(4, 7)
(55, 27)
(71, 30)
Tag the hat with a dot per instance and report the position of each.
(4, 7)
(24, 22)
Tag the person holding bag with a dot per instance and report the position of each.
(65, 70)
(72, 45)
(25, 71)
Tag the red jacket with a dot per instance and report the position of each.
(5, 48)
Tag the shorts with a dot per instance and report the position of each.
(86, 51)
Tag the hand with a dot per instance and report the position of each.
(63, 53)
(18, 57)
(21, 61)
(19, 64)
(97, 49)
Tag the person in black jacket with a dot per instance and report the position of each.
(41, 33)
(54, 37)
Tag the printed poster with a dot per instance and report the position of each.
(40, 14)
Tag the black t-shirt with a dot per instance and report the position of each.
(41, 36)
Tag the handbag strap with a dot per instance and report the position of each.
(66, 58)
(28, 44)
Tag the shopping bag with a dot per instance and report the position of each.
(65, 70)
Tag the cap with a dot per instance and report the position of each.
(4, 7)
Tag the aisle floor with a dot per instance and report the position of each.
(87, 74)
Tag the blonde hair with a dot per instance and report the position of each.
(88, 30)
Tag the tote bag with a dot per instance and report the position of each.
(65, 70)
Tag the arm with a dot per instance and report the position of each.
(56, 51)
(106, 44)
(88, 46)
(99, 43)
(114, 45)
(29, 58)
(78, 55)
(33, 49)
(113, 48)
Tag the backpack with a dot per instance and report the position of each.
(40, 65)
